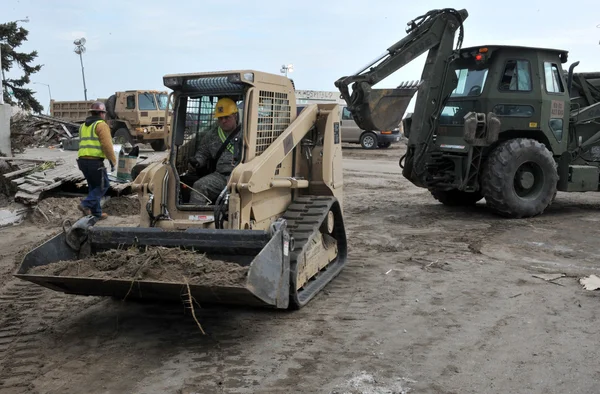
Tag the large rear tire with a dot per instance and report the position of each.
(110, 105)
(456, 198)
(519, 178)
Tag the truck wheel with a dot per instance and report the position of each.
(456, 198)
(158, 145)
(385, 145)
(111, 103)
(519, 178)
(368, 140)
(122, 136)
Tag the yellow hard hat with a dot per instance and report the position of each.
(225, 107)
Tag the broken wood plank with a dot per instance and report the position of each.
(35, 183)
(27, 198)
(66, 130)
(31, 159)
(17, 172)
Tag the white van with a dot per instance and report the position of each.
(351, 133)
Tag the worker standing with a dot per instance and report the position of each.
(95, 145)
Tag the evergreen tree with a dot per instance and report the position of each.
(12, 37)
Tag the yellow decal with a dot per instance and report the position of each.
(532, 124)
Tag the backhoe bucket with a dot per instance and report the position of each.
(258, 259)
(381, 109)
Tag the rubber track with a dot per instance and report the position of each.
(304, 218)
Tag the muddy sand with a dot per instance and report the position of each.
(154, 264)
(53, 211)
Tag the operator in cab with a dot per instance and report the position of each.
(215, 153)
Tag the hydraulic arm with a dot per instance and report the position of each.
(381, 109)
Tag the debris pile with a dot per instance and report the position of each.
(35, 131)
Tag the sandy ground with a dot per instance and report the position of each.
(434, 300)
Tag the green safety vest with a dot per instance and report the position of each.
(89, 144)
(223, 137)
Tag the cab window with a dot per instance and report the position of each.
(146, 102)
(130, 102)
(346, 114)
(516, 76)
(552, 77)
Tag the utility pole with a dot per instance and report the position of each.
(49, 94)
(80, 50)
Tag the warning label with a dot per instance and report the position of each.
(558, 109)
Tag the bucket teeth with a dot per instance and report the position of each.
(409, 84)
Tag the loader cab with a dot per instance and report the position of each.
(523, 86)
(264, 109)
(195, 121)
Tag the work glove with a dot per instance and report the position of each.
(112, 167)
(192, 164)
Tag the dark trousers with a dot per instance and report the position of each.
(98, 183)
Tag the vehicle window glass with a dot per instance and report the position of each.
(146, 102)
(346, 114)
(163, 100)
(470, 82)
(552, 78)
(522, 111)
(130, 102)
(516, 76)
(453, 114)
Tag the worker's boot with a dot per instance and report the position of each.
(84, 210)
(103, 216)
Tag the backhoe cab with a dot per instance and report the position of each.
(502, 122)
(280, 217)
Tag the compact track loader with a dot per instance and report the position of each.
(280, 216)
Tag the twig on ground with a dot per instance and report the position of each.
(191, 301)
(42, 212)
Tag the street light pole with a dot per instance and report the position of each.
(2, 87)
(49, 94)
(80, 50)
(286, 68)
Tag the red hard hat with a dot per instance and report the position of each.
(98, 106)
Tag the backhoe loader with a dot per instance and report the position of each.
(504, 123)
(280, 215)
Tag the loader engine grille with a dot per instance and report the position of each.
(274, 116)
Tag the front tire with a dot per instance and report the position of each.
(519, 179)
(368, 140)
(122, 136)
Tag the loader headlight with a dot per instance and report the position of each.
(172, 82)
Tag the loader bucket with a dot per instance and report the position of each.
(266, 282)
(381, 109)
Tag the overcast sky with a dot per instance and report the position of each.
(131, 44)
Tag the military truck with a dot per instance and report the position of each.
(504, 123)
(134, 116)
